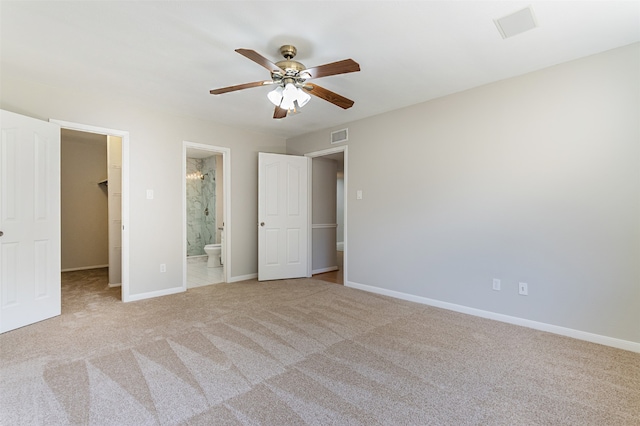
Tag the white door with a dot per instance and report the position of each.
(29, 221)
(283, 216)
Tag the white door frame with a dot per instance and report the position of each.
(344, 149)
(125, 191)
(226, 197)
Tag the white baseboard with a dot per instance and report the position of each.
(323, 270)
(152, 294)
(243, 278)
(340, 246)
(84, 268)
(115, 285)
(563, 331)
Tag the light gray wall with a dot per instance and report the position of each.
(83, 203)
(533, 179)
(155, 151)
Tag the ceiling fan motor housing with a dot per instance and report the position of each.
(290, 67)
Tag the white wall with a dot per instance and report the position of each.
(533, 179)
(155, 151)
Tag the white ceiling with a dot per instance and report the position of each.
(169, 54)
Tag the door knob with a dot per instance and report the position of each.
(1, 233)
(261, 223)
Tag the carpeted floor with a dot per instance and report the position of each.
(299, 352)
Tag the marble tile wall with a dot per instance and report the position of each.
(201, 204)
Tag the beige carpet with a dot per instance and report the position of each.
(299, 352)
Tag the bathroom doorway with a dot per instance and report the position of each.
(206, 207)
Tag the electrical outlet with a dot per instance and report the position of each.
(496, 284)
(163, 267)
(523, 289)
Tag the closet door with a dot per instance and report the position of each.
(29, 221)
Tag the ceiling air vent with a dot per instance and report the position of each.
(340, 136)
(516, 23)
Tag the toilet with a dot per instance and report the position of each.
(213, 251)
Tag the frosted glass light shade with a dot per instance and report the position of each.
(303, 98)
(289, 95)
(275, 96)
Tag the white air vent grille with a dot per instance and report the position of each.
(516, 23)
(340, 136)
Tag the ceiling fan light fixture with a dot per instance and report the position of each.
(289, 96)
(288, 77)
(287, 104)
(289, 90)
(303, 98)
(275, 96)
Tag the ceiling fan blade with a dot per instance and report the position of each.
(239, 87)
(328, 95)
(259, 59)
(340, 67)
(279, 113)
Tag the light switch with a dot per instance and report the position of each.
(149, 194)
(359, 194)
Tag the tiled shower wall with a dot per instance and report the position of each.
(201, 205)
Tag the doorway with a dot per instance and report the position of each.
(206, 214)
(85, 198)
(118, 235)
(330, 238)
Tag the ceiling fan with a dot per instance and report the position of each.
(290, 78)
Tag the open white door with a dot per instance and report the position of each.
(29, 221)
(283, 216)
